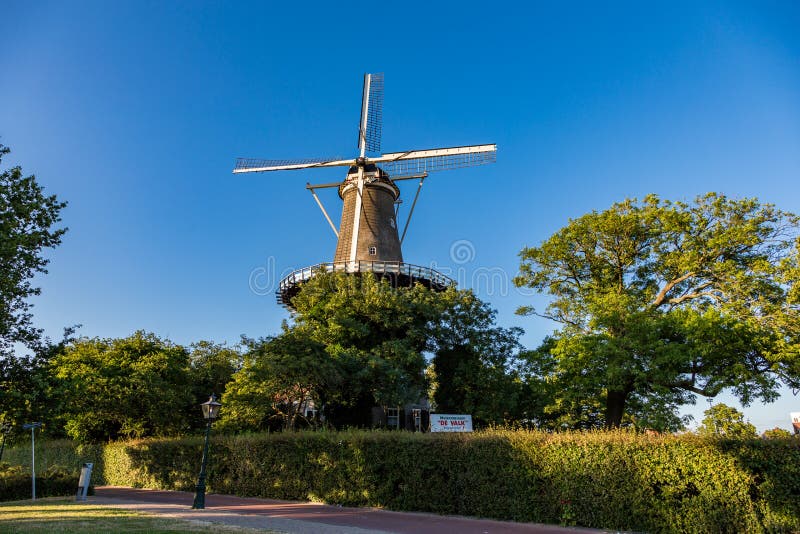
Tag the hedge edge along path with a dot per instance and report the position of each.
(613, 480)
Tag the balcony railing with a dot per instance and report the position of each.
(401, 273)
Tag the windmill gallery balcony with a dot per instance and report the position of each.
(398, 273)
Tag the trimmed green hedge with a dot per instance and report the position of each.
(611, 480)
(15, 482)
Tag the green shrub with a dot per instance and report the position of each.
(15, 482)
(59, 452)
(611, 480)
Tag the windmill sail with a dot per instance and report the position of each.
(438, 159)
(266, 165)
(368, 238)
(369, 131)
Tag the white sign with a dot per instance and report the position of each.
(795, 421)
(443, 422)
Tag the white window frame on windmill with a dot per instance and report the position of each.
(373, 250)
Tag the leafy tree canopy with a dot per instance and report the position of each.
(211, 366)
(776, 433)
(726, 421)
(375, 335)
(358, 342)
(27, 388)
(659, 299)
(474, 366)
(280, 377)
(27, 220)
(123, 388)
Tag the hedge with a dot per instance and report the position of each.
(15, 482)
(610, 480)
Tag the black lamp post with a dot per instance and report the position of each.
(5, 428)
(210, 413)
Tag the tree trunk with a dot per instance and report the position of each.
(615, 408)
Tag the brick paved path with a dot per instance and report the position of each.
(305, 517)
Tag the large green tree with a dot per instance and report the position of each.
(211, 366)
(659, 300)
(123, 388)
(375, 334)
(211, 369)
(566, 396)
(474, 366)
(726, 421)
(357, 342)
(29, 390)
(28, 227)
(280, 378)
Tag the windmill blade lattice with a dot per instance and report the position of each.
(442, 159)
(370, 129)
(368, 239)
(265, 165)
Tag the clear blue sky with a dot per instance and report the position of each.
(135, 111)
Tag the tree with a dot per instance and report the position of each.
(474, 363)
(565, 397)
(376, 335)
(29, 389)
(357, 342)
(281, 376)
(776, 433)
(659, 300)
(123, 388)
(27, 218)
(211, 367)
(726, 421)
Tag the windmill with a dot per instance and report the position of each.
(368, 239)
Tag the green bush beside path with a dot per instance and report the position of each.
(612, 480)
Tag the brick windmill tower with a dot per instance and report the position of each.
(368, 235)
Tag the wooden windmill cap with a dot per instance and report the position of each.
(373, 176)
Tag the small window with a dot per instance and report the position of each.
(373, 251)
(393, 417)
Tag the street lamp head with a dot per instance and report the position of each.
(211, 408)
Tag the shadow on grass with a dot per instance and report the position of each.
(70, 517)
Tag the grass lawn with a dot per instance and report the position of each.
(60, 515)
